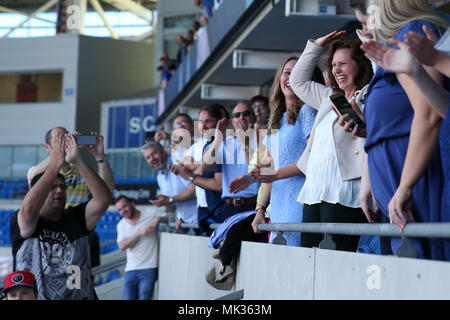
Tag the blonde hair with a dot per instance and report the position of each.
(387, 17)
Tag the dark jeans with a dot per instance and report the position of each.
(227, 210)
(327, 212)
(240, 231)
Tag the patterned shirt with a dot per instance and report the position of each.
(77, 189)
(57, 253)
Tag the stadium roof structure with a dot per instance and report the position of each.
(144, 9)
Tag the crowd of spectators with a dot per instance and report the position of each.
(167, 67)
(297, 156)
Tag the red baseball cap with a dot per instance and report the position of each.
(20, 278)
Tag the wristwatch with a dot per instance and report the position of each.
(101, 160)
(192, 177)
(170, 200)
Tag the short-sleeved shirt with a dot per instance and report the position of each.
(171, 185)
(77, 189)
(58, 255)
(144, 254)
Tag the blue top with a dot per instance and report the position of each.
(290, 141)
(208, 4)
(388, 100)
(166, 75)
(234, 164)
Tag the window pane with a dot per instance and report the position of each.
(146, 170)
(23, 159)
(5, 162)
(133, 165)
(118, 165)
(41, 154)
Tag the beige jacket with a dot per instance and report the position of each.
(350, 151)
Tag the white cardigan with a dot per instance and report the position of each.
(350, 151)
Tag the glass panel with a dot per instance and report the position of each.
(180, 22)
(41, 154)
(23, 159)
(146, 170)
(133, 164)
(5, 162)
(119, 162)
(31, 87)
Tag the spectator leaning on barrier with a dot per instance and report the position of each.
(51, 241)
(20, 285)
(332, 161)
(176, 192)
(208, 186)
(234, 152)
(137, 234)
(404, 138)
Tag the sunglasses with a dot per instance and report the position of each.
(181, 124)
(244, 113)
(258, 106)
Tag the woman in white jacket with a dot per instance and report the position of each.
(333, 159)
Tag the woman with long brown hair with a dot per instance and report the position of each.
(290, 124)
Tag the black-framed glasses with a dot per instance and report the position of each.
(258, 106)
(244, 113)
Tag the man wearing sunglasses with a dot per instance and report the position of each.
(232, 153)
(260, 105)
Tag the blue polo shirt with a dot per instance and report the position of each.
(234, 164)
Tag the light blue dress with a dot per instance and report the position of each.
(291, 140)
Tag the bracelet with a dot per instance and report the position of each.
(261, 207)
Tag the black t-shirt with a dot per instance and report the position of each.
(58, 254)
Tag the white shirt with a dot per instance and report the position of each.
(196, 152)
(144, 254)
(171, 185)
(323, 178)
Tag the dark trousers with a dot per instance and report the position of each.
(227, 210)
(327, 212)
(385, 242)
(240, 231)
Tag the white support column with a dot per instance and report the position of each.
(133, 7)
(99, 10)
(226, 92)
(250, 59)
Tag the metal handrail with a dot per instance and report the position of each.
(412, 230)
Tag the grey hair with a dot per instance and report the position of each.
(151, 144)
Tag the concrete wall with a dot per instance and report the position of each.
(109, 69)
(26, 123)
(275, 272)
(183, 263)
(94, 70)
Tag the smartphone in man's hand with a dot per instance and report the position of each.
(86, 140)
